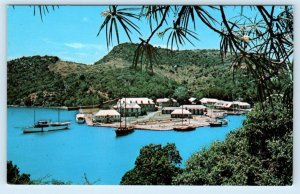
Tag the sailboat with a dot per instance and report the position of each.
(46, 126)
(183, 128)
(214, 121)
(123, 130)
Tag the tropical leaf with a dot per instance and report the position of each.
(178, 36)
(145, 54)
(113, 18)
(42, 10)
(153, 13)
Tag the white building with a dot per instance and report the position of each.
(146, 104)
(106, 116)
(208, 101)
(193, 100)
(131, 109)
(181, 113)
(232, 105)
(168, 110)
(195, 109)
(166, 102)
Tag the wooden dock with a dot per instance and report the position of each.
(89, 119)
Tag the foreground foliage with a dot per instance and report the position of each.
(259, 153)
(156, 165)
(14, 176)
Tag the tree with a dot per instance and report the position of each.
(181, 93)
(260, 153)
(156, 165)
(14, 176)
(263, 45)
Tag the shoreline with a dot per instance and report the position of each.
(155, 124)
(49, 107)
(161, 122)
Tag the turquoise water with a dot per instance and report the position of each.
(95, 151)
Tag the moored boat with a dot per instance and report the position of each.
(224, 121)
(80, 118)
(184, 128)
(121, 131)
(216, 124)
(46, 126)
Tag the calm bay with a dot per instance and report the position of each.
(95, 151)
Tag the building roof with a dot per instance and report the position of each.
(193, 106)
(138, 100)
(223, 103)
(241, 103)
(165, 100)
(192, 99)
(107, 113)
(170, 108)
(181, 111)
(131, 105)
(206, 100)
(228, 104)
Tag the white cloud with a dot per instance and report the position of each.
(48, 41)
(75, 51)
(78, 45)
(75, 45)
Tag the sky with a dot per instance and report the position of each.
(70, 32)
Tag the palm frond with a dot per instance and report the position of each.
(152, 13)
(42, 9)
(178, 36)
(145, 54)
(113, 18)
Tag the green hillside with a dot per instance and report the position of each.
(49, 81)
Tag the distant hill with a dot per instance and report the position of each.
(49, 81)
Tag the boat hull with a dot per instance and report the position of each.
(123, 131)
(218, 124)
(184, 128)
(80, 118)
(80, 121)
(50, 127)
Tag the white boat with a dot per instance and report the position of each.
(46, 126)
(224, 121)
(80, 118)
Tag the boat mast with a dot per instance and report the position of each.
(33, 115)
(120, 112)
(212, 113)
(182, 115)
(232, 103)
(125, 112)
(58, 115)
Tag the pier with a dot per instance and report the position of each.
(157, 122)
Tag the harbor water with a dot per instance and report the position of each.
(96, 152)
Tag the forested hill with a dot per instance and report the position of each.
(49, 81)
